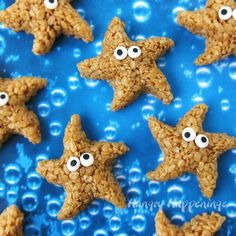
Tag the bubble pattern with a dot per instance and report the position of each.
(68, 94)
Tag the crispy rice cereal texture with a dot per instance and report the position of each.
(15, 118)
(201, 225)
(84, 170)
(129, 76)
(220, 34)
(182, 156)
(37, 17)
(11, 222)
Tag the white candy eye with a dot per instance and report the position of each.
(188, 134)
(51, 4)
(225, 13)
(4, 98)
(120, 53)
(86, 159)
(202, 141)
(73, 164)
(234, 13)
(134, 52)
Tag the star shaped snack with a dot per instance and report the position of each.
(217, 23)
(187, 148)
(84, 170)
(46, 20)
(130, 67)
(201, 225)
(11, 222)
(15, 118)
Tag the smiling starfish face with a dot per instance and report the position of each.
(130, 67)
(217, 23)
(187, 148)
(15, 118)
(84, 171)
(46, 20)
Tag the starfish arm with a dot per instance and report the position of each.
(164, 227)
(75, 138)
(94, 68)
(4, 134)
(207, 176)
(75, 202)
(194, 118)
(155, 47)
(22, 89)
(107, 188)
(156, 84)
(204, 224)
(108, 151)
(25, 122)
(51, 171)
(73, 24)
(215, 50)
(11, 222)
(125, 92)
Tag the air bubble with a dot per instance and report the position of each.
(29, 201)
(12, 174)
(33, 181)
(68, 227)
(141, 11)
(58, 97)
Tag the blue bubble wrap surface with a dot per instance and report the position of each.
(67, 94)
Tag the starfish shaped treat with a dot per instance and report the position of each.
(46, 20)
(201, 225)
(15, 118)
(129, 66)
(11, 222)
(187, 148)
(217, 23)
(84, 170)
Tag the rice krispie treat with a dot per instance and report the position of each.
(46, 20)
(15, 118)
(130, 67)
(11, 222)
(201, 225)
(217, 23)
(188, 148)
(84, 170)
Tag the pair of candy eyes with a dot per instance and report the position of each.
(121, 52)
(226, 13)
(189, 135)
(51, 4)
(73, 163)
(4, 98)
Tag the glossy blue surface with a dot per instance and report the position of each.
(68, 94)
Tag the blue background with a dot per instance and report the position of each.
(69, 94)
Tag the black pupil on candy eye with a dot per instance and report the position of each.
(73, 163)
(203, 139)
(135, 50)
(224, 12)
(51, 1)
(187, 135)
(3, 96)
(86, 156)
(119, 52)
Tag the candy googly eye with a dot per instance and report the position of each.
(51, 4)
(4, 98)
(188, 134)
(120, 53)
(234, 13)
(134, 52)
(73, 164)
(202, 141)
(86, 159)
(225, 13)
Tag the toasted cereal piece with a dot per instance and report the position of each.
(84, 170)
(129, 66)
(15, 118)
(201, 225)
(46, 20)
(11, 222)
(217, 23)
(187, 148)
